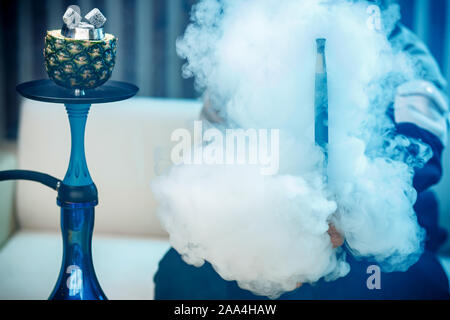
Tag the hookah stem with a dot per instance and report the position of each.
(321, 133)
(321, 103)
(77, 197)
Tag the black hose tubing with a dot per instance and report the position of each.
(43, 178)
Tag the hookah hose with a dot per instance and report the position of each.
(321, 103)
(66, 193)
(43, 178)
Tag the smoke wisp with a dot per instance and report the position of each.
(256, 60)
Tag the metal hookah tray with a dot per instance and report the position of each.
(48, 91)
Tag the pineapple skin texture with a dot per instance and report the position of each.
(79, 64)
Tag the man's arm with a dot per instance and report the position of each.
(421, 108)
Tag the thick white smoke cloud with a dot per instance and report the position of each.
(257, 59)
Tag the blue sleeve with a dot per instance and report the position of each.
(431, 173)
(427, 206)
(427, 68)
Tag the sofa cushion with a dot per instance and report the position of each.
(125, 267)
(7, 162)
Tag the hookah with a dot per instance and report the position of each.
(79, 60)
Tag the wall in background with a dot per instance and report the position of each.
(147, 30)
(2, 87)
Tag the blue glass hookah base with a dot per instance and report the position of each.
(77, 195)
(77, 279)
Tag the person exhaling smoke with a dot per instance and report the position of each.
(418, 111)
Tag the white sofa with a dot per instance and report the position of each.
(7, 161)
(127, 144)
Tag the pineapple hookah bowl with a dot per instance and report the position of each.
(79, 60)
